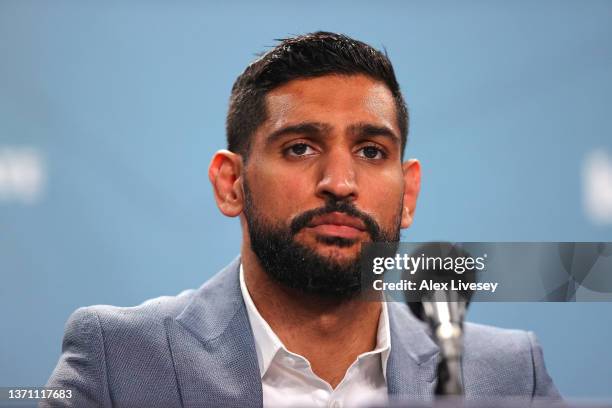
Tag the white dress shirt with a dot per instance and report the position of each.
(288, 380)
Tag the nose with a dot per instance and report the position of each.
(337, 178)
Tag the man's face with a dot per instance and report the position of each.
(324, 173)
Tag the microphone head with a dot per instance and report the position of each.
(441, 264)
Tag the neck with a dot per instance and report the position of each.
(329, 333)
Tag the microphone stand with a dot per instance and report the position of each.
(445, 318)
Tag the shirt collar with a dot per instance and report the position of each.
(267, 343)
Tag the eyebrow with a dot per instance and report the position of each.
(370, 130)
(305, 128)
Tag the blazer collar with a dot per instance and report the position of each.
(411, 369)
(215, 304)
(212, 346)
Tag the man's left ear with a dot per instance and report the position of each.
(412, 186)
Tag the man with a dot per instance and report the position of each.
(316, 130)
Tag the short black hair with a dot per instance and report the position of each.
(305, 56)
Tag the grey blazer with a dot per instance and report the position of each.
(197, 349)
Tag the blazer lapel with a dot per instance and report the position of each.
(212, 346)
(411, 367)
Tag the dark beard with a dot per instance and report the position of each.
(299, 267)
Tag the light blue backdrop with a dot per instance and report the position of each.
(122, 104)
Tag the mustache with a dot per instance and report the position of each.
(301, 221)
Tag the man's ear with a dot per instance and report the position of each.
(225, 175)
(412, 186)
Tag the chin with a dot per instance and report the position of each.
(339, 254)
(342, 249)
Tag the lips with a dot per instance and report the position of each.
(337, 224)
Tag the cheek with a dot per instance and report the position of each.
(382, 195)
(279, 192)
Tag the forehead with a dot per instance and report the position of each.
(333, 99)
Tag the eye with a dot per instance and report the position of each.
(372, 153)
(299, 150)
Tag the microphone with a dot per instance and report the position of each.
(444, 309)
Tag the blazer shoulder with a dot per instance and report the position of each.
(147, 317)
(500, 347)
(119, 353)
(513, 357)
(153, 312)
(491, 339)
(124, 354)
(150, 310)
(145, 324)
